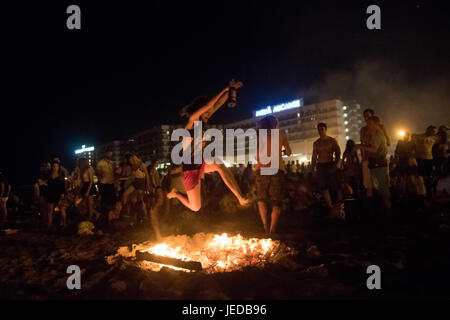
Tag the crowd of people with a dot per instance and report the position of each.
(416, 174)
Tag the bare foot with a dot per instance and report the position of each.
(244, 202)
(172, 194)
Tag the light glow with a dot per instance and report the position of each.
(278, 108)
(215, 252)
(401, 133)
(84, 149)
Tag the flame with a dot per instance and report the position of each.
(216, 253)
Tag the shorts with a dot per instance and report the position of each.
(380, 180)
(191, 178)
(270, 188)
(84, 188)
(326, 176)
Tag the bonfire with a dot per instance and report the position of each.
(205, 252)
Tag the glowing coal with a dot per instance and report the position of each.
(216, 253)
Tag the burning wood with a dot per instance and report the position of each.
(190, 265)
(207, 252)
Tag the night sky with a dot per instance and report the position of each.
(133, 64)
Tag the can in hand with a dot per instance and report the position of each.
(232, 98)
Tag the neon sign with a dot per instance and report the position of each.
(279, 108)
(84, 149)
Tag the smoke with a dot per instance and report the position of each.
(399, 98)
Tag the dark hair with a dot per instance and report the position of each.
(321, 125)
(349, 146)
(109, 149)
(189, 109)
(370, 111)
(268, 122)
(56, 161)
(82, 160)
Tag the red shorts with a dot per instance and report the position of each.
(191, 178)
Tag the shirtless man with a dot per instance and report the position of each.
(105, 171)
(326, 154)
(365, 138)
(270, 187)
(376, 151)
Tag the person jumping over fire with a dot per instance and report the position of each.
(201, 111)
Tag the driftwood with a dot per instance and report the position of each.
(190, 265)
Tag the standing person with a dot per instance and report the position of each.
(155, 177)
(352, 169)
(87, 189)
(365, 138)
(41, 188)
(376, 151)
(270, 187)
(55, 193)
(298, 167)
(64, 172)
(5, 189)
(192, 173)
(105, 171)
(424, 154)
(440, 154)
(141, 183)
(325, 156)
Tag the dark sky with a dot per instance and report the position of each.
(133, 64)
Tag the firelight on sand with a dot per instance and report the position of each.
(216, 253)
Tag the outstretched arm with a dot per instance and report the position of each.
(233, 84)
(216, 106)
(196, 115)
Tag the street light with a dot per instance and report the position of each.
(401, 133)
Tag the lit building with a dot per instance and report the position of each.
(119, 149)
(297, 120)
(87, 153)
(154, 144)
(300, 124)
(354, 120)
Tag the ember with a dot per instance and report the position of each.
(215, 253)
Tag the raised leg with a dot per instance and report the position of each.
(228, 178)
(193, 201)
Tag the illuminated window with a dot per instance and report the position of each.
(298, 115)
(346, 122)
(347, 137)
(345, 115)
(346, 130)
(344, 108)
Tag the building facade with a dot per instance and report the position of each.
(85, 152)
(300, 124)
(299, 121)
(119, 149)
